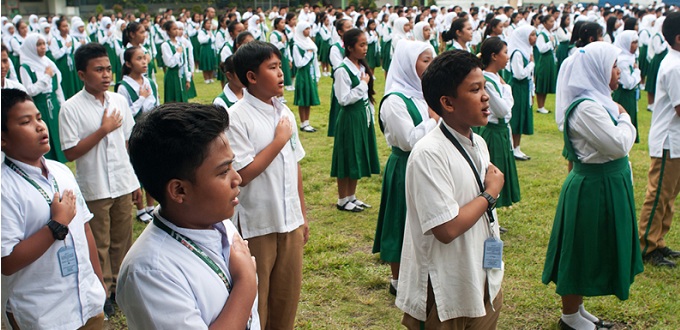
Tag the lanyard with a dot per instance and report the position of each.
(33, 183)
(455, 142)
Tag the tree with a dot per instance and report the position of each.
(431, 3)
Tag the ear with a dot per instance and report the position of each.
(81, 75)
(176, 190)
(446, 104)
(252, 77)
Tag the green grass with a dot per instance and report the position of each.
(345, 285)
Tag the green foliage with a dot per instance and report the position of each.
(415, 3)
(99, 9)
(118, 8)
(197, 9)
(143, 8)
(367, 4)
(431, 3)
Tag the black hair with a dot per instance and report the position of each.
(611, 26)
(205, 21)
(671, 27)
(289, 17)
(489, 17)
(248, 58)
(490, 46)
(457, 25)
(232, 26)
(277, 21)
(630, 23)
(445, 74)
(62, 19)
(168, 25)
(371, 21)
(490, 27)
(544, 18)
(563, 21)
(357, 25)
(240, 38)
(339, 23)
(587, 31)
(10, 98)
(87, 52)
(4, 49)
(228, 66)
(350, 39)
(127, 57)
(131, 28)
(177, 135)
(575, 32)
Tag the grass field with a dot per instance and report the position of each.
(345, 285)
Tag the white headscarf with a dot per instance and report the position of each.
(519, 40)
(646, 23)
(398, 32)
(254, 27)
(29, 56)
(117, 32)
(16, 19)
(586, 74)
(33, 22)
(6, 36)
(418, 31)
(623, 41)
(106, 21)
(74, 29)
(305, 43)
(402, 77)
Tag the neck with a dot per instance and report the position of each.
(136, 76)
(181, 218)
(2, 81)
(36, 162)
(355, 60)
(99, 95)
(264, 98)
(459, 127)
(492, 68)
(237, 90)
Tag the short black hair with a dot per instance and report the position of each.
(10, 98)
(671, 27)
(490, 46)
(587, 31)
(176, 135)
(240, 38)
(248, 57)
(88, 52)
(444, 75)
(127, 57)
(232, 26)
(457, 25)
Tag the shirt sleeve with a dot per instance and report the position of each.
(42, 85)
(673, 79)
(630, 77)
(399, 129)
(244, 150)
(274, 39)
(68, 128)
(344, 92)
(519, 71)
(170, 59)
(220, 103)
(136, 106)
(128, 120)
(13, 220)
(58, 52)
(500, 106)
(300, 60)
(592, 123)
(335, 57)
(542, 45)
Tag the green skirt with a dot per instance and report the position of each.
(68, 77)
(497, 137)
(208, 60)
(594, 248)
(562, 53)
(628, 100)
(306, 90)
(546, 73)
(653, 71)
(389, 234)
(196, 47)
(355, 152)
(287, 74)
(386, 56)
(505, 74)
(174, 86)
(159, 56)
(642, 59)
(522, 121)
(372, 56)
(191, 92)
(324, 52)
(333, 114)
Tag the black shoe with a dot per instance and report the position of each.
(656, 258)
(393, 290)
(668, 253)
(109, 310)
(345, 207)
(564, 326)
(600, 324)
(502, 230)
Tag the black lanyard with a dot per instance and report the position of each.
(469, 161)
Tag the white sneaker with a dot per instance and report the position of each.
(543, 110)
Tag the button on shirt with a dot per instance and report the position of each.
(105, 170)
(164, 285)
(270, 203)
(664, 132)
(39, 296)
(438, 183)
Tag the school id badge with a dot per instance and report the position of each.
(68, 263)
(493, 253)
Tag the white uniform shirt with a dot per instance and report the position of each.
(438, 183)
(230, 96)
(163, 285)
(39, 296)
(664, 132)
(9, 83)
(270, 203)
(104, 171)
(399, 129)
(143, 104)
(501, 103)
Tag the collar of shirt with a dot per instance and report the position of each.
(214, 239)
(230, 94)
(258, 104)
(92, 99)
(32, 171)
(356, 71)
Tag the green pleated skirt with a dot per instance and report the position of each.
(385, 55)
(208, 60)
(497, 137)
(287, 74)
(324, 51)
(522, 121)
(159, 56)
(389, 233)
(196, 47)
(333, 114)
(372, 56)
(642, 59)
(546, 73)
(191, 92)
(594, 248)
(653, 71)
(562, 53)
(68, 77)
(174, 86)
(355, 151)
(306, 90)
(627, 98)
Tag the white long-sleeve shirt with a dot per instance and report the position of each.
(500, 104)
(630, 75)
(399, 129)
(143, 104)
(519, 71)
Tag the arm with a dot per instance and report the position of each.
(42, 85)
(519, 71)
(303, 207)
(203, 37)
(628, 79)
(345, 94)
(399, 129)
(56, 51)
(111, 120)
(170, 59)
(273, 39)
(136, 106)
(300, 60)
(542, 45)
(284, 130)
(592, 123)
(500, 106)
(335, 57)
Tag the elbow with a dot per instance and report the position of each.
(7, 269)
(70, 154)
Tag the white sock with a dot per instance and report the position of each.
(351, 198)
(577, 322)
(590, 317)
(142, 211)
(149, 209)
(394, 283)
(342, 201)
(305, 123)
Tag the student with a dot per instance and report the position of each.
(325, 33)
(175, 60)
(291, 23)
(190, 91)
(460, 34)
(522, 68)
(5, 82)
(627, 93)
(658, 48)
(42, 80)
(234, 28)
(197, 190)
(206, 40)
(405, 119)
(355, 154)
(62, 49)
(267, 152)
(450, 214)
(497, 132)
(423, 33)
(44, 221)
(386, 41)
(134, 36)
(645, 35)
(233, 90)
(544, 57)
(336, 57)
(434, 35)
(373, 53)
(16, 42)
(119, 48)
(400, 31)
(94, 126)
(279, 39)
(305, 60)
(664, 171)
(562, 37)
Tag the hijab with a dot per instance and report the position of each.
(6, 36)
(402, 77)
(254, 27)
(398, 32)
(418, 31)
(623, 41)
(74, 30)
(519, 40)
(586, 74)
(305, 43)
(16, 19)
(29, 56)
(33, 22)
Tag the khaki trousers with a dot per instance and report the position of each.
(663, 187)
(489, 321)
(112, 230)
(279, 274)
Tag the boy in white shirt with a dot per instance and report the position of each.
(447, 278)
(94, 127)
(272, 214)
(52, 278)
(664, 148)
(189, 269)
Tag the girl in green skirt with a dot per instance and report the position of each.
(645, 37)
(207, 62)
(15, 43)
(627, 93)
(658, 48)
(546, 68)
(373, 53)
(186, 43)
(386, 41)
(192, 28)
(522, 69)
(279, 39)
(175, 59)
(563, 36)
(336, 57)
(434, 37)
(460, 34)
(355, 153)
(497, 132)
(423, 33)
(291, 22)
(594, 248)
(325, 44)
(134, 36)
(305, 60)
(118, 49)
(42, 80)
(404, 118)
(62, 49)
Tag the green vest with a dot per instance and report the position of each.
(134, 95)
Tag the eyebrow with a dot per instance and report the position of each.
(226, 163)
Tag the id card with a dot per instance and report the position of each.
(67, 260)
(493, 253)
